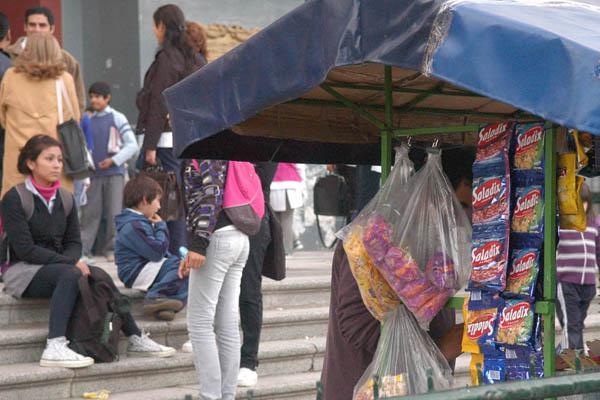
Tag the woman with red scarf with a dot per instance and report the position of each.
(45, 251)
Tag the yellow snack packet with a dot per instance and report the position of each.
(582, 158)
(475, 366)
(577, 221)
(566, 185)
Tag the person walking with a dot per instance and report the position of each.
(285, 197)
(5, 63)
(29, 102)
(114, 143)
(45, 251)
(218, 251)
(174, 60)
(577, 260)
(41, 20)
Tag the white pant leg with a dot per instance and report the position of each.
(211, 284)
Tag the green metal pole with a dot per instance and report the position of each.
(550, 250)
(386, 135)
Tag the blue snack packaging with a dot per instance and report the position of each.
(523, 273)
(528, 211)
(529, 147)
(494, 365)
(489, 257)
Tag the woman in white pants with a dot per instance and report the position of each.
(217, 254)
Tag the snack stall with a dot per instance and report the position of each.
(339, 81)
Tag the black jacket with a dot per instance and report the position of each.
(168, 68)
(44, 239)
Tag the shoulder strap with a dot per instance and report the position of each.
(61, 91)
(26, 200)
(67, 200)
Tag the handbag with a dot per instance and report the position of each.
(171, 202)
(78, 161)
(274, 262)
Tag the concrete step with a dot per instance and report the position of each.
(22, 343)
(300, 386)
(28, 380)
(293, 292)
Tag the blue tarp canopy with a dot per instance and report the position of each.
(454, 62)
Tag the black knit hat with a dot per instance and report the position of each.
(100, 88)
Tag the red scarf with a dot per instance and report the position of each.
(47, 192)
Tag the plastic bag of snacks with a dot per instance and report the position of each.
(405, 353)
(419, 239)
(376, 293)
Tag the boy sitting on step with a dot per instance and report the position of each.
(141, 250)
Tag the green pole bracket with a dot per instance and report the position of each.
(550, 230)
(379, 88)
(439, 131)
(455, 303)
(361, 110)
(386, 134)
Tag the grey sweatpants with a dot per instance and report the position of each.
(213, 314)
(571, 310)
(105, 198)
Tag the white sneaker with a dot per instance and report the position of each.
(247, 377)
(143, 346)
(58, 354)
(187, 347)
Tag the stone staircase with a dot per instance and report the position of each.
(291, 351)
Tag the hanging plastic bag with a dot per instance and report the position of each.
(378, 296)
(404, 358)
(420, 240)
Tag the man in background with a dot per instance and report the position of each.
(41, 20)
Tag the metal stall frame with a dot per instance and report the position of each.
(544, 307)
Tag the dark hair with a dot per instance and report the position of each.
(4, 26)
(40, 10)
(100, 88)
(32, 150)
(172, 18)
(140, 188)
(587, 197)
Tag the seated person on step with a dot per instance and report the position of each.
(45, 251)
(142, 250)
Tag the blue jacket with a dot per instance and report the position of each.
(139, 242)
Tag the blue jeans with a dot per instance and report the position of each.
(177, 229)
(168, 283)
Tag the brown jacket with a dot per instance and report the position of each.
(29, 107)
(73, 68)
(167, 69)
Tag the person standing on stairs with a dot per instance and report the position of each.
(221, 197)
(45, 251)
(577, 260)
(174, 60)
(251, 306)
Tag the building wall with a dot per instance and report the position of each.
(103, 36)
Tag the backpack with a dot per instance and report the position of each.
(243, 198)
(28, 207)
(95, 325)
